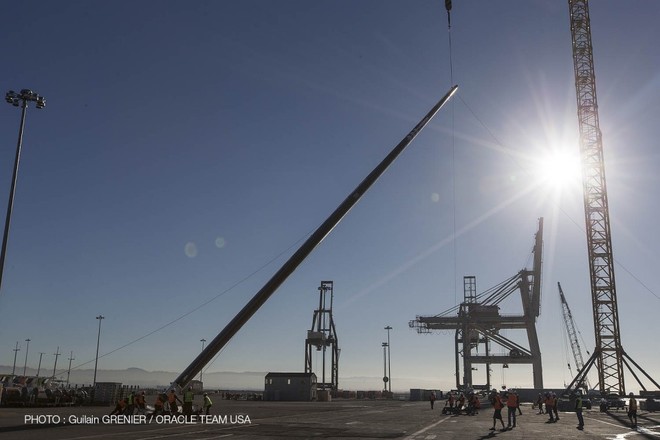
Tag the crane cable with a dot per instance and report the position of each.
(453, 147)
(451, 65)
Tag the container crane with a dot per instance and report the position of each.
(478, 321)
(572, 336)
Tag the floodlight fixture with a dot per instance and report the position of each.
(25, 96)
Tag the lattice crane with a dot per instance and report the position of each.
(608, 353)
(572, 335)
(596, 209)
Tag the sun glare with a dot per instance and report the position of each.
(559, 170)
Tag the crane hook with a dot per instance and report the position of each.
(448, 7)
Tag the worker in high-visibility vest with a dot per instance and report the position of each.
(496, 400)
(130, 403)
(555, 406)
(120, 407)
(512, 407)
(159, 404)
(172, 398)
(207, 403)
(549, 401)
(539, 402)
(188, 398)
(140, 402)
(578, 411)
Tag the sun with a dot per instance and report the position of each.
(558, 170)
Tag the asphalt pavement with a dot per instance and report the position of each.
(339, 419)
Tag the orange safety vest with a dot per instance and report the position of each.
(498, 402)
(512, 401)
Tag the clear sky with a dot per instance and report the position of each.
(188, 147)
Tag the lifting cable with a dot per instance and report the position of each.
(453, 147)
(451, 64)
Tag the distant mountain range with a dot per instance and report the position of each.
(225, 380)
(144, 378)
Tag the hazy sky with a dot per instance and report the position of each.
(187, 149)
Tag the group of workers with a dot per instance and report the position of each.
(468, 402)
(549, 399)
(165, 403)
(131, 404)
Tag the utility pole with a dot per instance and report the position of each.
(26, 355)
(57, 354)
(98, 340)
(201, 372)
(68, 374)
(16, 350)
(39, 367)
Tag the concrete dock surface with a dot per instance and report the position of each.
(339, 419)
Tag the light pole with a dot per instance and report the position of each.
(201, 371)
(16, 99)
(16, 350)
(98, 340)
(39, 367)
(385, 378)
(389, 359)
(27, 348)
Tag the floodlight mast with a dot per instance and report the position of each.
(16, 99)
(305, 249)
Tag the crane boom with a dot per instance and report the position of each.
(572, 333)
(596, 209)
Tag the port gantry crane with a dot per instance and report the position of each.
(573, 337)
(478, 321)
(323, 335)
(608, 353)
